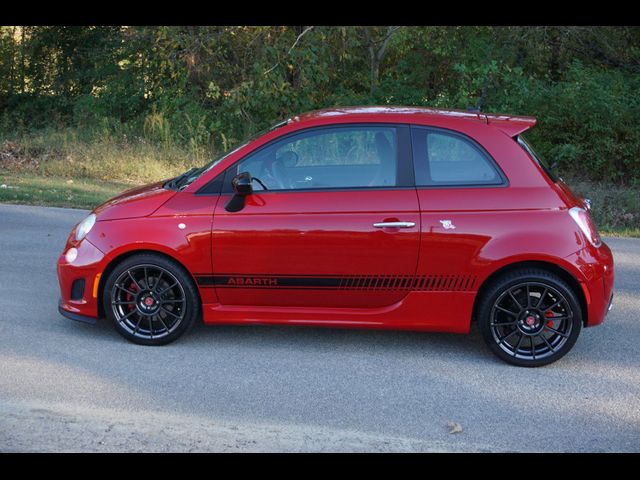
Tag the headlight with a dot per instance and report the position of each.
(85, 226)
(583, 219)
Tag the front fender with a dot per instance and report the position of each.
(186, 239)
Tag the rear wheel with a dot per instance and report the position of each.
(150, 299)
(530, 317)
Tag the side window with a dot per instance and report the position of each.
(444, 158)
(341, 157)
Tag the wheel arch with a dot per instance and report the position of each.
(554, 268)
(129, 253)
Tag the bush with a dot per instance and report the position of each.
(203, 89)
(588, 122)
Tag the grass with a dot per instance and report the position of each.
(620, 232)
(72, 155)
(68, 168)
(31, 189)
(615, 208)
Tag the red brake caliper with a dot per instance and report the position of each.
(549, 314)
(130, 297)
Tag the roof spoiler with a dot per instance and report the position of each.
(510, 125)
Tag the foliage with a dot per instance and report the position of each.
(202, 89)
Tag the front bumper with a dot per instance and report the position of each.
(80, 303)
(75, 316)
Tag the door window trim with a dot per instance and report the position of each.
(405, 176)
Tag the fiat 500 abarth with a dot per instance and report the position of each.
(371, 217)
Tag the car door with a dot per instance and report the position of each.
(333, 221)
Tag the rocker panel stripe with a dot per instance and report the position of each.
(343, 282)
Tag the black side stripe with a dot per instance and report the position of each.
(344, 282)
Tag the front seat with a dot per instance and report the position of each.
(386, 175)
(275, 172)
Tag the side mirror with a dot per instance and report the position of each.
(242, 186)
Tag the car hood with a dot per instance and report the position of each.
(136, 202)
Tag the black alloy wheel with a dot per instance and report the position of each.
(530, 317)
(150, 299)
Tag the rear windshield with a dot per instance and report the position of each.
(539, 160)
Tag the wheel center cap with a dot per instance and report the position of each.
(147, 303)
(530, 322)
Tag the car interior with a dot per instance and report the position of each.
(295, 166)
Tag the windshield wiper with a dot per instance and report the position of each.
(175, 183)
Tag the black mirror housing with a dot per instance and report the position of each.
(242, 185)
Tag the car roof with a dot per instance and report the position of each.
(510, 124)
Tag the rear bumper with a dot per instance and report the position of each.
(596, 279)
(610, 307)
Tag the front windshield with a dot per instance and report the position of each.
(190, 176)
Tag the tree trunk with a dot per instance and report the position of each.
(377, 49)
(555, 42)
(12, 66)
(375, 70)
(293, 74)
(22, 58)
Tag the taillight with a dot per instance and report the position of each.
(582, 218)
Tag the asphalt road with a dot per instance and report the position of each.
(67, 386)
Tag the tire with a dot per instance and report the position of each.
(529, 317)
(150, 299)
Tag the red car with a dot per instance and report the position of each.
(371, 217)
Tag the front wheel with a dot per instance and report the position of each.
(150, 299)
(530, 317)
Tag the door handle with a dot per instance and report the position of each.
(394, 225)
